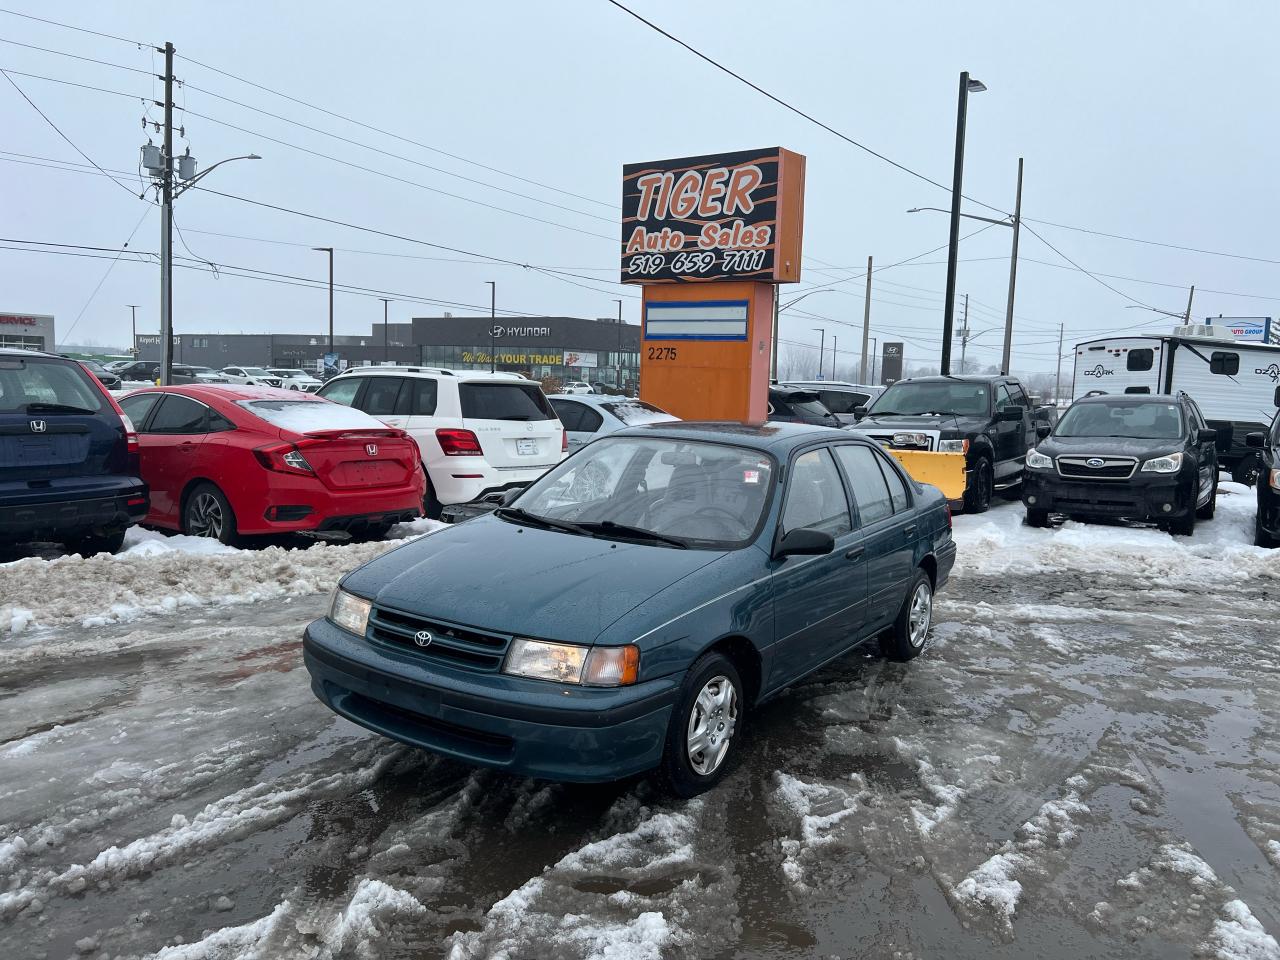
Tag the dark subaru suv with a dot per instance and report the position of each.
(1266, 531)
(68, 457)
(1137, 457)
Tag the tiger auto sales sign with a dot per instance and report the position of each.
(729, 216)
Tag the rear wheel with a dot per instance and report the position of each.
(977, 495)
(705, 727)
(431, 506)
(1037, 518)
(911, 630)
(90, 544)
(207, 513)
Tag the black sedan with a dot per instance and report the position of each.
(1136, 457)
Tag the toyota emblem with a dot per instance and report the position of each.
(38, 426)
(422, 638)
(371, 449)
(1095, 462)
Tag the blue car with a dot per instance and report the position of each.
(629, 609)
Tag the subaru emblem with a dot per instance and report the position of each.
(422, 638)
(1095, 462)
(38, 426)
(371, 449)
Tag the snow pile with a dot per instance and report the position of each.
(946, 795)
(230, 943)
(1238, 935)
(818, 809)
(156, 574)
(372, 907)
(992, 885)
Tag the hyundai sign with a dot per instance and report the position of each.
(1247, 329)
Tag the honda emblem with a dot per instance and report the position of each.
(38, 426)
(371, 449)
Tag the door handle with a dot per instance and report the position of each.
(909, 529)
(855, 553)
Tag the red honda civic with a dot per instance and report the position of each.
(232, 461)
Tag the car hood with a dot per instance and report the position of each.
(945, 422)
(495, 575)
(1107, 447)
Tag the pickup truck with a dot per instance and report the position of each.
(989, 419)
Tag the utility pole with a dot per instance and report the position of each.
(822, 346)
(866, 327)
(386, 332)
(166, 227)
(964, 336)
(834, 341)
(1190, 296)
(1057, 382)
(329, 251)
(618, 384)
(133, 324)
(953, 239)
(493, 325)
(773, 357)
(1013, 276)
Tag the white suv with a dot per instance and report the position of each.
(293, 379)
(252, 376)
(479, 433)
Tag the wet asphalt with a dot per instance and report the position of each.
(1106, 746)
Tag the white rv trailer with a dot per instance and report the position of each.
(1236, 384)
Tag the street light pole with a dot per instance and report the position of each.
(1013, 276)
(329, 251)
(834, 341)
(386, 331)
(953, 241)
(866, 327)
(493, 323)
(822, 346)
(618, 379)
(133, 324)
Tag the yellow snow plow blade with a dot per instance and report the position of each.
(946, 471)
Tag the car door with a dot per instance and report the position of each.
(889, 533)
(1206, 453)
(168, 448)
(343, 391)
(819, 601)
(1009, 433)
(381, 399)
(581, 422)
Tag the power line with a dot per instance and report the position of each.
(1104, 283)
(67, 26)
(1152, 243)
(111, 266)
(74, 56)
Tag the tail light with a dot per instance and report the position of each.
(949, 526)
(458, 443)
(564, 441)
(130, 433)
(282, 458)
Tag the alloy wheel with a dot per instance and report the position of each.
(205, 518)
(712, 721)
(920, 616)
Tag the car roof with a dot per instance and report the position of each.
(1131, 398)
(787, 390)
(231, 392)
(763, 436)
(967, 378)
(595, 399)
(16, 352)
(828, 384)
(461, 375)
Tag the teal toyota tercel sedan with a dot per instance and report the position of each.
(628, 610)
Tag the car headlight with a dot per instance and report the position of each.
(1275, 479)
(571, 663)
(1038, 461)
(910, 439)
(953, 446)
(1169, 464)
(349, 612)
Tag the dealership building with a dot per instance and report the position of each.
(27, 331)
(567, 348)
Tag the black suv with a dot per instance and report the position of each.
(68, 457)
(1266, 531)
(796, 405)
(1138, 457)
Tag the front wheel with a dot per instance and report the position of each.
(911, 630)
(977, 495)
(1037, 518)
(705, 727)
(208, 513)
(1184, 526)
(1211, 507)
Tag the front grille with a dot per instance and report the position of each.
(1111, 468)
(451, 644)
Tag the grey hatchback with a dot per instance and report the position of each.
(627, 610)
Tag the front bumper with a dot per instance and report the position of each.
(1159, 497)
(526, 727)
(62, 512)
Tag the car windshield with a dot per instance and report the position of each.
(1138, 421)
(805, 405)
(633, 412)
(256, 372)
(37, 385)
(695, 494)
(959, 397)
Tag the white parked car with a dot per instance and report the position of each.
(253, 376)
(479, 433)
(292, 379)
(576, 386)
(586, 418)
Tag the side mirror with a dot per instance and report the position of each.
(1207, 435)
(1012, 414)
(1276, 398)
(1256, 440)
(804, 542)
(509, 497)
(1043, 430)
(861, 411)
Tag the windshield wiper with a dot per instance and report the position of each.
(637, 533)
(536, 520)
(40, 407)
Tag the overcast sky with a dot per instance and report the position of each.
(1156, 120)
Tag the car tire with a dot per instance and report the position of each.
(91, 544)
(1260, 536)
(712, 684)
(910, 631)
(431, 506)
(1037, 518)
(1184, 526)
(977, 495)
(208, 513)
(1209, 509)
(1247, 470)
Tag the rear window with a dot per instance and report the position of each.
(46, 385)
(305, 416)
(633, 412)
(503, 401)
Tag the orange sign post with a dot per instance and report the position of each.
(709, 237)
